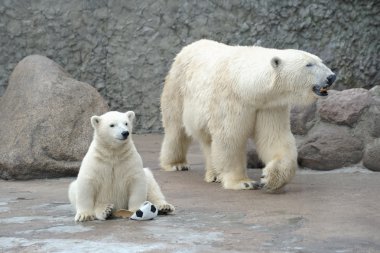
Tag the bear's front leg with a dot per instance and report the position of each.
(85, 195)
(277, 173)
(138, 192)
(229, 160)
(276, 147)
(103, 211)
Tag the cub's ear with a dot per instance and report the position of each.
(275, 62)
(95, 121)
(130, 115)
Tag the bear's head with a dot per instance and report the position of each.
(113, 128)
(301, 75)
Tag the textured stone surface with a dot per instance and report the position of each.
(45, 125)
(302, 119)
(330, 147)
(371, 158)
(344, 107)
(125, 48)
(368, 125)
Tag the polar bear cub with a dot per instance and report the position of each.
(112, 176)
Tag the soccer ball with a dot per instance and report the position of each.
(147, 211)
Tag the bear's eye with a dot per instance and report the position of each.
(112, 125)
(309, 65)
(126, 124)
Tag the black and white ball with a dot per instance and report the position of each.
(147, 211)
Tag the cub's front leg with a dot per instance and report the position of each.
(155, 194)
(84, 201)
(137, 192)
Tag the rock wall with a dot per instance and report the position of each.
(124, 48)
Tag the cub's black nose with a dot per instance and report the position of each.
(331, 79)
(125, 134)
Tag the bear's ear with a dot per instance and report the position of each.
(130, 115)
(95, 120)
(276, 62)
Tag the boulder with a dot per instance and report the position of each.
(344, 107)
(371, 159)
(302, 118)
(45, 125)
(330, 147)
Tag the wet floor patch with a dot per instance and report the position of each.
(72, 245)
(59, 230)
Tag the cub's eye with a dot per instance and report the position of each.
(112, 125)
(126, 124)
(309, 65)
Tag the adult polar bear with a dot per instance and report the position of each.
(222, 95)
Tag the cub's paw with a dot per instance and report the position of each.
(165, 208)
(84, 216)
(104, 212)
(177, 167)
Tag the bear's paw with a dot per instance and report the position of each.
(165, 208)
(178, 167)
(103, 212)
(84, 216)
(241, 185)
(272, 180)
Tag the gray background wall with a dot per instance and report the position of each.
(124, 48)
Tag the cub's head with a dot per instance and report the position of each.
(302, 74)
(113, 128)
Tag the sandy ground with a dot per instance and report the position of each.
(322, 212)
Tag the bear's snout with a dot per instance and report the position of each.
(125, 134)
(331, 79)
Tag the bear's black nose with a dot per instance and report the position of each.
(331, 79)
(125, 134)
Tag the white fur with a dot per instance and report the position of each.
(222, 95)
(111, 175)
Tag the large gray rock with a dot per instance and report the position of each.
(330, 147)
(45, 125)
(302, 118)
(344, 107)
(371, 159)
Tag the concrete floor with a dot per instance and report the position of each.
(317, 212)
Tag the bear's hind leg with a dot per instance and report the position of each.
(211, 175)
(230, 163)
(174, 149)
